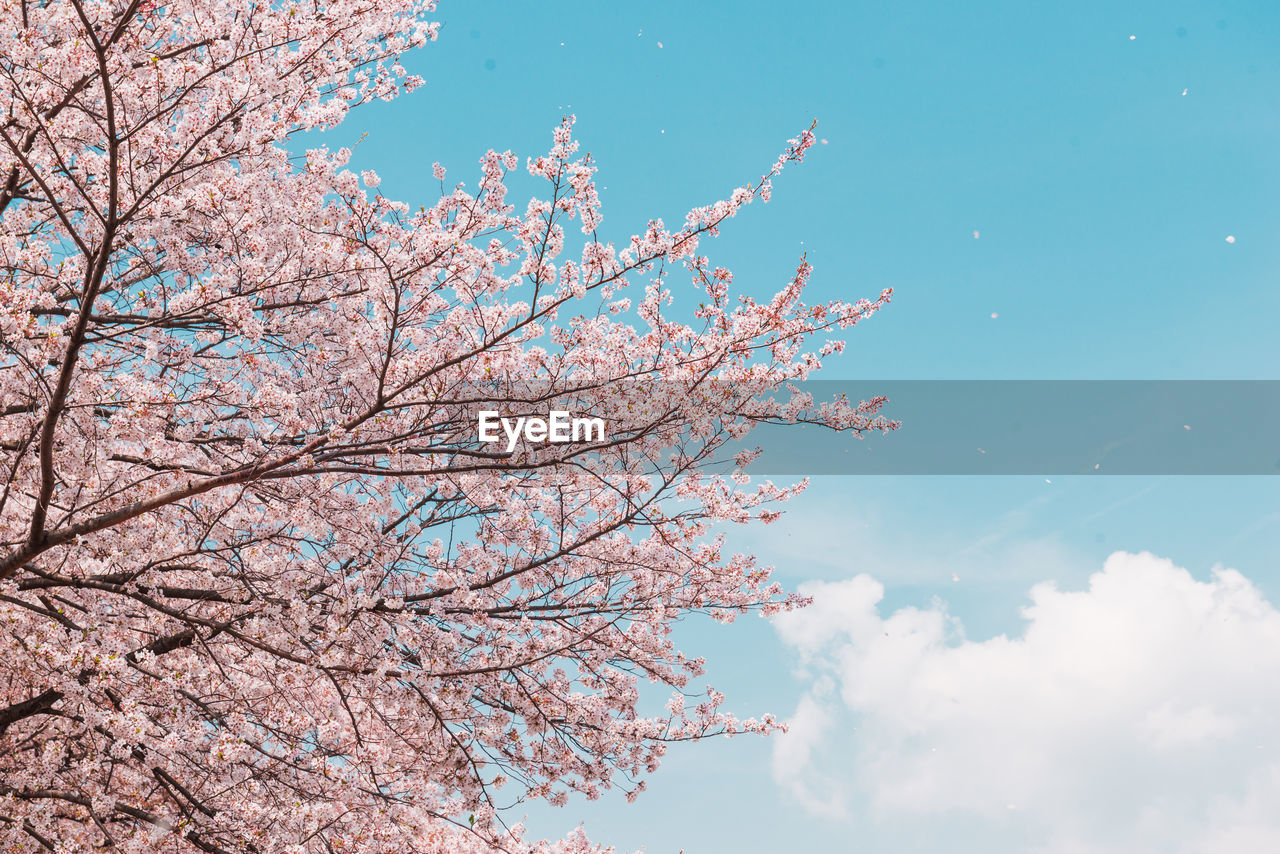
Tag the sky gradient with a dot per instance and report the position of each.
(1050, 190)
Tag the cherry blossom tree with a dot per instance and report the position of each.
(262, 588)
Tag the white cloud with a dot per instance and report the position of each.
(793, 760)
(1142, 713)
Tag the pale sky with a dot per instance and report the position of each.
(993, 664)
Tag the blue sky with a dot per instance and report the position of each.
(1102, 152)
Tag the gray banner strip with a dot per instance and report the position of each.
(1042, 427)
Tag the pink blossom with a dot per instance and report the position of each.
(261, 588)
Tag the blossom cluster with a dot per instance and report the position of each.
(261, 589)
